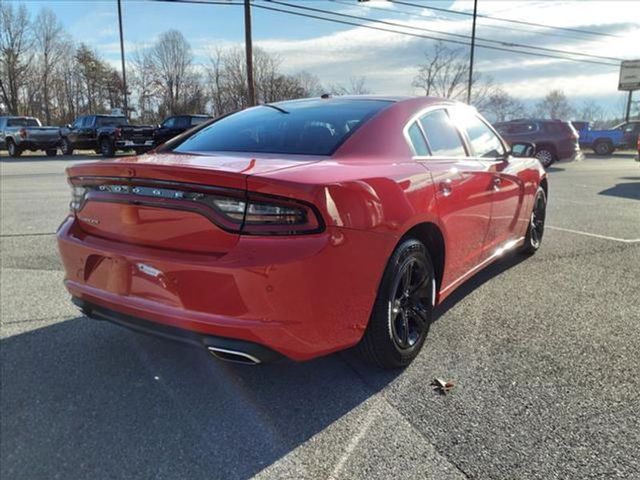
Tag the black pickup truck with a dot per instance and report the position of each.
(105, 134)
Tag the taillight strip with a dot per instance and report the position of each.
(184, 197)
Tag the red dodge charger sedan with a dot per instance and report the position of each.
(301, 228)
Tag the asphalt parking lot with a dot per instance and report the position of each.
(543, 352)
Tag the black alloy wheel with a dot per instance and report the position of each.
(407, 313)
(66, 147)
(106, 147)
(535, 231)
(402, 312)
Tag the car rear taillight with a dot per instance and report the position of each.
(78, 194)
(268, 216)
(234, 211)
(23, 133)
(118, 133)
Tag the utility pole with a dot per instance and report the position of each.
(251, 94)
(626, 117)
(124, 73)
(473, 47)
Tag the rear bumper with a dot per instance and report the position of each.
(133, 144)
(302, 297)
(570, 152)
(258, 353)
(38, 144)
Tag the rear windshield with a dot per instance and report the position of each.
(111, 121)
(314, 127)
(22, 122)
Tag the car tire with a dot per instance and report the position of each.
(66, 147)
(603, 148)
(535, 230)
(52, 152)
(107, 148)
(546, 156)
(403, 308)
(13, 149)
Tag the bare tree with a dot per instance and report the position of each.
(500, 106)
(227, 80)
(172, 59)
(15, 54)
(445, 74)
(49, 39)
(555, 105)
(142, 76)
(356, 86)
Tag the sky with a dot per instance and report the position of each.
(387, 60)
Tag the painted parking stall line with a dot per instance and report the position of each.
(595, 235)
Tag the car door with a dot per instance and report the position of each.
(507, 188)
(74, 131)
(88, 137)
(167, 130)
(630, 132)
(463, 189)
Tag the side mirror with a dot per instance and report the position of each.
(523, 149)
(69, 126)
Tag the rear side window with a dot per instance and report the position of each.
(442, 135)
(22, 122)
(198, 120)
(521, 128)
(417, 140)
(311, 127)
(484, 142)
(111, 121)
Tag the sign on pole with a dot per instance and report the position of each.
(629, 75)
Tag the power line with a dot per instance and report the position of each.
(521, 22)
(439, 32)
(416, 35)
(411, 14)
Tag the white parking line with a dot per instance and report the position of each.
(605, 237)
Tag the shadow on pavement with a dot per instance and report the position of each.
(478, 280)
(629, 190)
(85, 399)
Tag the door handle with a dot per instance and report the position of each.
(445, 187)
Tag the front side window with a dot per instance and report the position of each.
(442, 135)
(310, 127)
(169, 122)
(484, 142)
(182, 122)
(417, 140)
(22, 122)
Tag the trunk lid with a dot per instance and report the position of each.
(161, 212)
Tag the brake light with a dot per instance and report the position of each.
(23, 133)
(118, 133)
(235, 211)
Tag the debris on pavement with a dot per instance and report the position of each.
(441, 386)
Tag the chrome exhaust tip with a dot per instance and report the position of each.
(234, 356)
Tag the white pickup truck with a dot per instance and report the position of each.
(18, 134)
